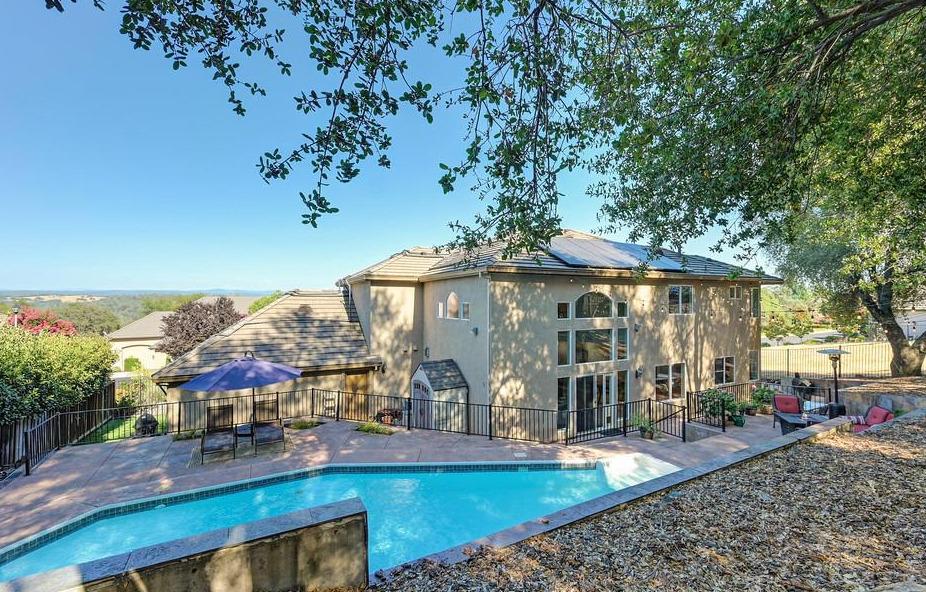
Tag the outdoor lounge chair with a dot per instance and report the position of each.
(219, 435)
(266, 425)
(873, 416)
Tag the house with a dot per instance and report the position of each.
(137, 340)
(572, 327)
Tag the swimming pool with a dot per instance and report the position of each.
(413, 510)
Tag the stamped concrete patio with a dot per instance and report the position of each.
(77, 479)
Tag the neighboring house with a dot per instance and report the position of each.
(241, 303)
(570, 328)
(137, 340)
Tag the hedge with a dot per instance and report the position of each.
(48, 372)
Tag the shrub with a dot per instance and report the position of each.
(38, 321)
(194, 323)
(264, 301)
(371, 427)
(49, 371)
(716, 403)
(132, 364)
(762, 396)
(304, 424)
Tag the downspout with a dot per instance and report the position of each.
(488, 337)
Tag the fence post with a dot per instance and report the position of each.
(312, 402)
(490, 421)
(337, 408)
(626, 404)
(27, 450)
(723, 415)
(408, 414)
(684, 426)
(649, 410)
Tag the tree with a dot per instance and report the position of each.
(37, 321)
(172, 302)
(776, 327)
(193, 323)
(264, 301)
(89, 318)
(751, 116)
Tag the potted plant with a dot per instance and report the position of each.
(647, 427)
(737, 415)
(762, 398)
(749, 408)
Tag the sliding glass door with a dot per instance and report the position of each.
(594, 394)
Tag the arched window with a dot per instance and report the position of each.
(593, 305)
(453, 306)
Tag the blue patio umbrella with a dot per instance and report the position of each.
(246, 372)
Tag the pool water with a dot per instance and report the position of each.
(410, 514)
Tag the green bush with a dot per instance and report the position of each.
(304, 424)
(371, 427)
(717, 403)
(132, 364)
(48, 372)
(762, 396)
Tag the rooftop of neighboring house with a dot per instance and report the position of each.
(309, 329)
(241, 303)
(147, 327)
(571, 252)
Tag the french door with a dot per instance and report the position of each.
(594, 395)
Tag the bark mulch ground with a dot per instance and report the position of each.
(842, 513)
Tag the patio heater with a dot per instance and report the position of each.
(835, 355)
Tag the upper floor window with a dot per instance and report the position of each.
(736, 292)
(453, 306)
(753, 364)
(755, 297)
(622, 309)
(593, 346)
(562, 354)
(464, 311)
(562, 310)
(623, 343)
(680, 300)
(440, 310)
(593, 305)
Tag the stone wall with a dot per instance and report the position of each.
(907, 393)
(314, 549)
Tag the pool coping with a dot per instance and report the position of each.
(48, 535)
(610, 501)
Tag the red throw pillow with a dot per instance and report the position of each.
(877, 415)
(787, 404)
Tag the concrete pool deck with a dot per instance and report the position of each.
(78, 479)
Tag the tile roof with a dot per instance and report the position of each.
(147, 327)
(311, 330)
(408, 264)
(443, 374)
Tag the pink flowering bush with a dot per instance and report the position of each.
(38, 321)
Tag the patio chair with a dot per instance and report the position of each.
(872, 417)
(781, 403)
(266, 424)
(220, 434)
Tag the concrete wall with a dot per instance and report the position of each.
(454, 338)
(143, 349)
(317, 549)
(524, 330)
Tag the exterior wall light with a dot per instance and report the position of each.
(475, 330)
(638, 372)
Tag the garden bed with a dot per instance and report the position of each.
(841, 513)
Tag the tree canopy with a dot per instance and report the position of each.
(194, 322)
(264, 301)
(172, 302)
(89, 318)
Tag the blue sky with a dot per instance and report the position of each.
(117, 172)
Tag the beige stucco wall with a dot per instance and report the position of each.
(394, 333)
(454, 338)
(143, 349)
(524, 334)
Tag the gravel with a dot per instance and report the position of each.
(845, 512)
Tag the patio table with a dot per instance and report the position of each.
(795, 421)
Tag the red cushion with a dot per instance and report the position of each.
(877, 415)
(787, 404)
(861, 427)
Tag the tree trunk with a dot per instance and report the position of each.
(907, 359)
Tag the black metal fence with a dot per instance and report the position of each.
(703, 409)
(492, 421)
(13, 435)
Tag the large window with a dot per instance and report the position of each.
(453, 306)
(680, 299)
(754, 364)
(623, 382)
(562, 402)
(755, 298)
(593, 345)
(562, 354)
(593, 305)
(623, 343)
(724, 370)
(670, 381)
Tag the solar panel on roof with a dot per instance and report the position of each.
(580, 252)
